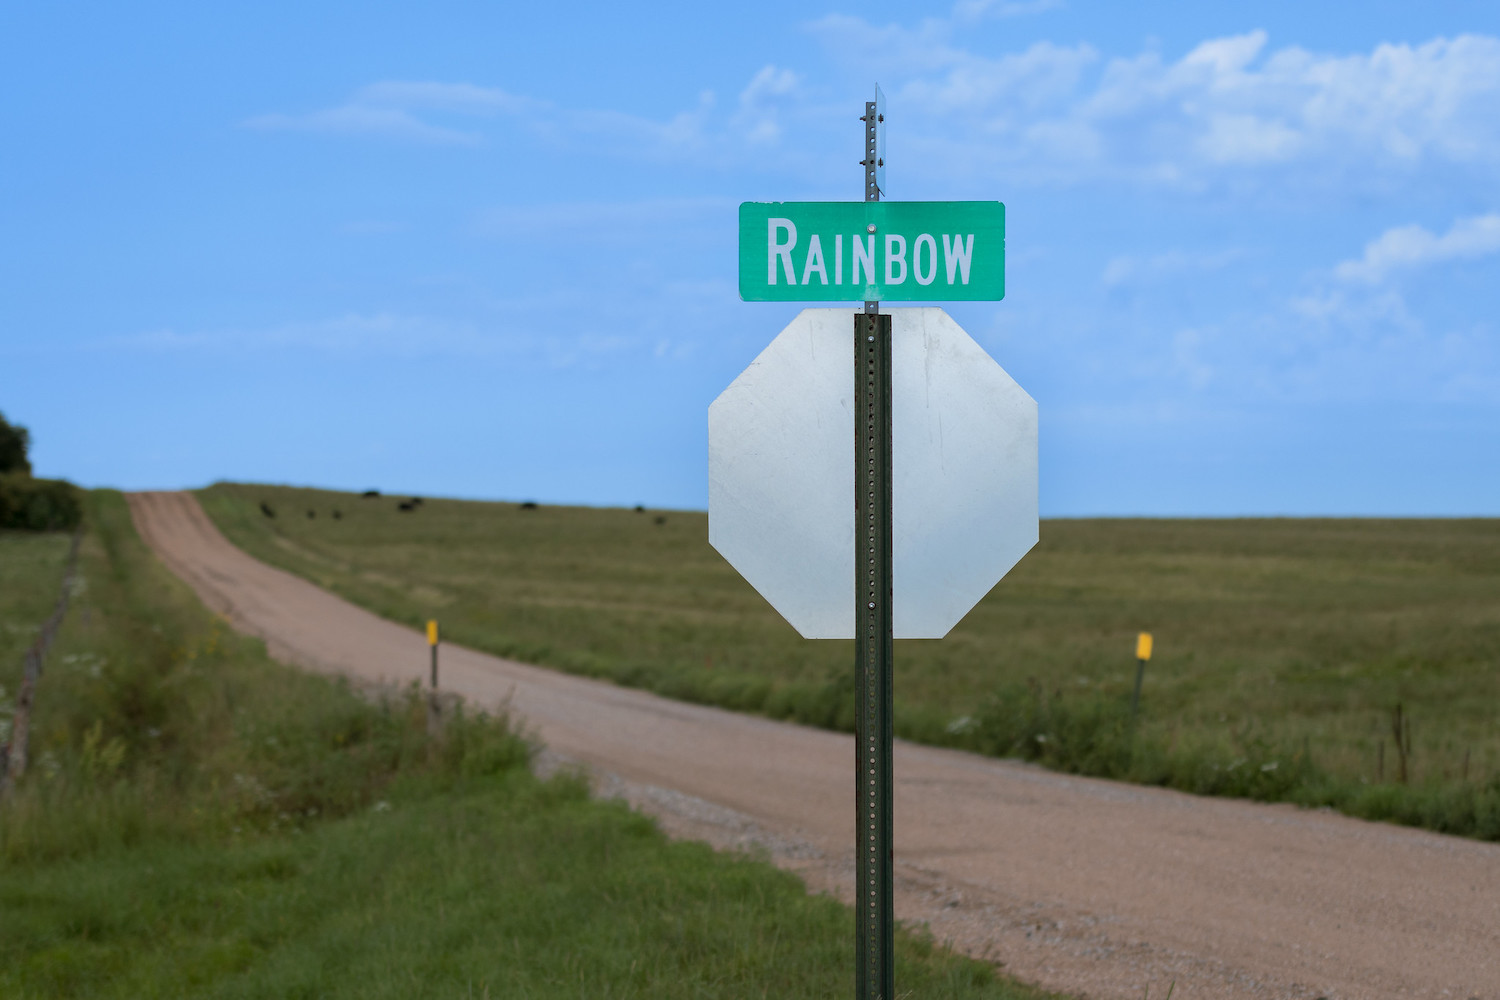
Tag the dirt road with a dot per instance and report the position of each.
(1079, 885)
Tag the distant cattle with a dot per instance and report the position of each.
(267, 509)
(406, 505)
(529, 505)
(338, 515)
(660, 520)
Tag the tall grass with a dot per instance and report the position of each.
(204, 822)
(1096, 736)
(31, 570)
(1278, 641)
(154, 719)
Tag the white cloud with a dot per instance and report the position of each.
(1225, 56)
(1131, 269)
(606, 222)
(386, 333)
(390, 110)
(1049, 113)
(456, 113)
(769, 82)
(1188, 358)
(402, 110)
(759, 118)
(393, 335)
(360, 120)
(684, 136)
(973, 10)
(937, 76)
(464, 97)
(1229, 103)
(1413, 246)
(1231, 138)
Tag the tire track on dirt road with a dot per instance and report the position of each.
(1075, 884)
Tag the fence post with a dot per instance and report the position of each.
(1142, 654)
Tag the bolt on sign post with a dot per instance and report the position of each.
(432, 643)
(1142, 654)
(899, 536)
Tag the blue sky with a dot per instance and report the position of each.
(489, 250)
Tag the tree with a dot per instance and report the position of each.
(15, 440)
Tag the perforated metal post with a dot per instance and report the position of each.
(874, 918)
(873, 165)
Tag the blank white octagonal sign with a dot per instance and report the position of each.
(781, 473)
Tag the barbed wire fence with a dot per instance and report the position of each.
(13, 753)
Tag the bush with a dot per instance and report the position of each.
(39, 504)
(15, 440)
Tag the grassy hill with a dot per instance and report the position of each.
(1283, 646)
(201, 821)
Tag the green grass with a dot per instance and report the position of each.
(505, 888)
(1282, 645)
(204, 822)
(31, 572)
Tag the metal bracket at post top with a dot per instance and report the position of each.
(874, 918)
(874, 161)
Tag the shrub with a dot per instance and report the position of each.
(15, 440)
(39, 504)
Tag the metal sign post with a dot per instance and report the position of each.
(940, 498)
(874, 975)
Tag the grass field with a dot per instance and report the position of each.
(1283, 646)
(203, 822)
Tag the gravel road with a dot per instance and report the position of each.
(1079, 885)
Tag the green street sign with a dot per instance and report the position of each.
(889, 251)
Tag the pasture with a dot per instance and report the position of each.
(1283, 646)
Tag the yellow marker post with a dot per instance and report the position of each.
(1142, 654)
(432, 641)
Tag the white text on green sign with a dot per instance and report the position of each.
(837, 251)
